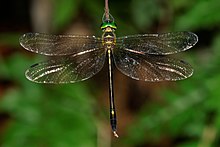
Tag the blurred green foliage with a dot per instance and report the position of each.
(63, 115)
(203, 14)
(64, 12)
(45, 115)
(146, 13)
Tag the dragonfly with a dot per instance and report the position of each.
(75, 58)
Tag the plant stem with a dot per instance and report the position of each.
(106, 10)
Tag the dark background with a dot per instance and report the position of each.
(183, 113)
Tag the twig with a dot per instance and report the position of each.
(106, 10)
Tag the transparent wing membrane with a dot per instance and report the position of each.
(76, 58)
(158, 44)
(67, 69)
(151, 67)
(53, 45)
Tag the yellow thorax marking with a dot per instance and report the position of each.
(108, 39)
(108, 29)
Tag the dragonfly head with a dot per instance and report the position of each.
(108, 24)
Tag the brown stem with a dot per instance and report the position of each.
(106, 10)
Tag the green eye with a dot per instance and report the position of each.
(108, 24)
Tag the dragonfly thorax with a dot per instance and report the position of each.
(108, 38)
(108, 24)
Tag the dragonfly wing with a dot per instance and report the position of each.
(58, 45)
(159, 44)
(151, 67)
(67, 69)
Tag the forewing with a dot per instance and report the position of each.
(159, 44)
(58, 45)
(150, 67)
(67, 69)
